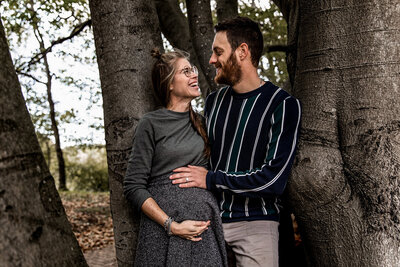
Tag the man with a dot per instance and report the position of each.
(253, 129)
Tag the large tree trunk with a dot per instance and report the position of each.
(34, 228)
(345, 181)
(175, 28)
(202, 33)
(227, 9)
(125, 32)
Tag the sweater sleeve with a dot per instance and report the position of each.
(271, 178)
(139, 164)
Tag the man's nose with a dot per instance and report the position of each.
(213, 59)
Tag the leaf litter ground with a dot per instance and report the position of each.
(90, 218)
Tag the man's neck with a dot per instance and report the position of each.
(249, 82)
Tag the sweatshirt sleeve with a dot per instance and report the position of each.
(271, 178)
(139, 164)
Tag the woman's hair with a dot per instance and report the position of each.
(162, 75)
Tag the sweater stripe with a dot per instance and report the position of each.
(220, 96)
(228, 162)
(276, 133)
(223, 136)
(259, 128)
(263, 207)
(244, 129)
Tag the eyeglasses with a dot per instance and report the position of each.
(188, 71)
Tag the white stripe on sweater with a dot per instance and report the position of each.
(223, 136)
(260, 126)
(244, 130)
(234, 137)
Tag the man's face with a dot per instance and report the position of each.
(225, 61)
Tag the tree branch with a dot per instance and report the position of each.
(31, 76)
(36, 58)
(276, 48)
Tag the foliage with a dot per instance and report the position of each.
(86, 168)
(27, 24)
(274, 29)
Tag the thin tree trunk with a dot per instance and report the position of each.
(34, 228)
(60, 158)
(290, 11)
(345, 182)
(227, 9)
(174, 25)
(48, 152)
(125, 32)
(202, 33)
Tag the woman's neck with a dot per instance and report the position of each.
(181, 106)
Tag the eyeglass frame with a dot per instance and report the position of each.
(189, 71)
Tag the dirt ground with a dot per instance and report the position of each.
(101, 257)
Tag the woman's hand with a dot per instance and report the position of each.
(190, 230)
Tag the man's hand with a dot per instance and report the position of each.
(190, 176)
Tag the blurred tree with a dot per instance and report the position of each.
(226, 9)
(34, 228)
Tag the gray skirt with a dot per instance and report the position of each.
(156, 248)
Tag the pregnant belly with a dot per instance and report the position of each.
(185, 203)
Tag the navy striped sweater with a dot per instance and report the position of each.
(253, 138)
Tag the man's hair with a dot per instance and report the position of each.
(243, 30)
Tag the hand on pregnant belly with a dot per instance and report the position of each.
(190, 176)
(190, 230)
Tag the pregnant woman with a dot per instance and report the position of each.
(179, 227)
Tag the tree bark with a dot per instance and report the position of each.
(202, 33)
(125, 32)
(226, 9)
(345, 180)
(174, 25)
(34, 228)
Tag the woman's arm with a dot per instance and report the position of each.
(187, 229)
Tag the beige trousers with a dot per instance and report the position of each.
(254, 243)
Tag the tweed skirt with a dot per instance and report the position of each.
(156, 248)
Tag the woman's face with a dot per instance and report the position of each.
(182, 86)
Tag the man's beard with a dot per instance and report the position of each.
(229, 73)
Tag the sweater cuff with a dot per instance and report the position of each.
(139, 198)
(210, 181)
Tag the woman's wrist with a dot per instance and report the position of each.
(173, 227)
(167, 225)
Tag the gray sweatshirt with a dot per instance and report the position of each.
(164, 140)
